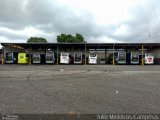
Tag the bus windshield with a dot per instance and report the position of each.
(78, 56)
(149, 54)
(135, 56)
(65, 54)
(122, 56)
(36, 57)
(9, 56)
(92, 54)
(49, 55)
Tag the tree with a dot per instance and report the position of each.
(79, 38)
(68, 38)
(36, 40)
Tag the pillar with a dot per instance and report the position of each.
(30, 60)
(142, 62)
(113, 57)
(85, 62)
(3, 55)
(57, 54)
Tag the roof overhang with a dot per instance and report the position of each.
(81, 45)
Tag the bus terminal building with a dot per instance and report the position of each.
(81, 53)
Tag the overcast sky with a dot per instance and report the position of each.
(98, 21)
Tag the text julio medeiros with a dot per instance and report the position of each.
(128, 116)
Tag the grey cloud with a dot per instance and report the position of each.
(63, 20)
(53, 18)
(143, 26)
(144, 23)
(11, 13)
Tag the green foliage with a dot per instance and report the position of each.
(68, 38)
(36, 40)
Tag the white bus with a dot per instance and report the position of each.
(121, 59)
(134, 58)
(78, 58)
(92, 58)
(50, 57)
(64, 58)
(149, 58)
(36, 58)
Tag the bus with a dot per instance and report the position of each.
(92, 59)
(23, 58)
(11, 58)
(64, 58)
(119, 57)
(149, 58)
(50, 57)
(133, 58)
(78, 58)
(36, 58)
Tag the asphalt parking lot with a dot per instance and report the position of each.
(88, 89)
